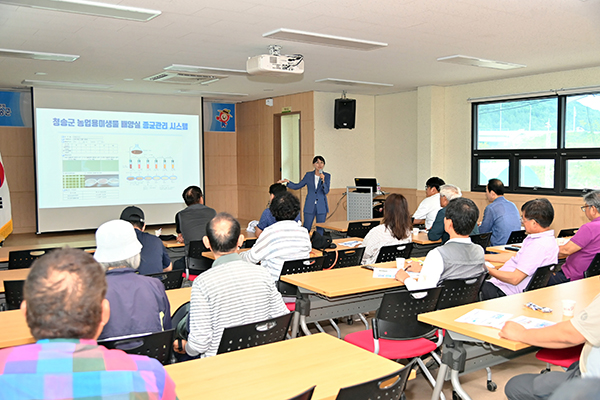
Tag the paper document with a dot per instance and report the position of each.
(489, 265)
(485, 318)
(532, 323)
(351, 243)
(391, 273)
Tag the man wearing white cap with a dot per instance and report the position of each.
(138, 304)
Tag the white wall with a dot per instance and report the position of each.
(349, 153)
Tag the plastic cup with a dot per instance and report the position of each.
(568, 307)
(400, 262)
(415, 231)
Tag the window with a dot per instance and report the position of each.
(547, 145)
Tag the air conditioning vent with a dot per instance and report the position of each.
(186, 78)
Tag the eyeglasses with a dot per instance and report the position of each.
(584, 207)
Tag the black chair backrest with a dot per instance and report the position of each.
(390, 253)
(482, 239)
(13, 290)
(171, 279)
(456, 292)
(302, 266)
(387, 387)
(156, 345)
(248, 243)
(540, 277)
(343, 258)
(594, 268)
(516, 237)
(255, 334)
(179, 321)
(567, 232)
(24, 258)
(306, 395)
(360, 228)
(396, 317)
(196, 263)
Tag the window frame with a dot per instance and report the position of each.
(560, 154)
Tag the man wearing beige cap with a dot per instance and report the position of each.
(138, 304)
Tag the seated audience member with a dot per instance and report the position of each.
(395, 228)
(437, 232)
(65, 309)
(501, 217)
(583, 247)
(154, 258)
(430, 205)
(138, 303)
(233, 292)
(284, 240)
(577, 389)
(267, 218)
(459, 258)
(539, 249)
(190, 224)
(583, 328)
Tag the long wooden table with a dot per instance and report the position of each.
(12, 275)
(468, 337)
(15, 331)
(280, 370)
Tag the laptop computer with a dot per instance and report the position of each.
(365, 182)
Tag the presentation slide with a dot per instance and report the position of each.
(94, 163)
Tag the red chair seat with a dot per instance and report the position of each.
(391, 349)
(192, 277)
(291, 306)
(561, 357)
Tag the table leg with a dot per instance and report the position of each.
(439, 382)
(295, 324)
(304, 326)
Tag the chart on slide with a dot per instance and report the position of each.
(145, 165)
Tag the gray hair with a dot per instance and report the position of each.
(131, 262)
(450, 191)
(592, 199)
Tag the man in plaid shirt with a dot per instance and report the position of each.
(66, 310)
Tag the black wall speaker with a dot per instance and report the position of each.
(345, 113)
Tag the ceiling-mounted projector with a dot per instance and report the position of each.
(275, 63)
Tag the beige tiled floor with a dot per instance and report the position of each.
(474, 383)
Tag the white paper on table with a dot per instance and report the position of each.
(532, 323)
(485, 318)
(351, 243)
(489, 265)
(388, 273)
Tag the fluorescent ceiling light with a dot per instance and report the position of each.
(200, 92)
(326, 40)
(347, 82)
(89, 8)
(36, 55)
(209, 70)
(479, 62)
(30, 82)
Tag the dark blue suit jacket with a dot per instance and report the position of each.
(318, 194)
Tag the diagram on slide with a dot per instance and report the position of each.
(144, 165)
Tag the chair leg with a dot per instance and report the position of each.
(428, 375)
(336, 327)
(364, 320)
(319, 327)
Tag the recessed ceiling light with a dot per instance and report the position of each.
(322, 39)
(37, 55)
(347, 82)
(128, 79)
(208, 70)
(89, 8)
(31, 82)
(41, 73)
(479, 62)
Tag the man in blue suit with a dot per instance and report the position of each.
(317, 183)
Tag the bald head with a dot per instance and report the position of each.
(223, 233)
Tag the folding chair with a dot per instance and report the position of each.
(482, 239)
(158, 345)
(567, 232)
(343, 258)
(24, 258)
(540, 278)
(516, 237)
(396, 333)
(254, 334)
(171, 279)
(195, 262)
(594, 268)
(561, 357)
(248, 243)
(13, 290)
(360, 228)
(390, 253)
(387, 387)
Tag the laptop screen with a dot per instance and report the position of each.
(366, 182)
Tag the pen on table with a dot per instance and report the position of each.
(407, 267)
